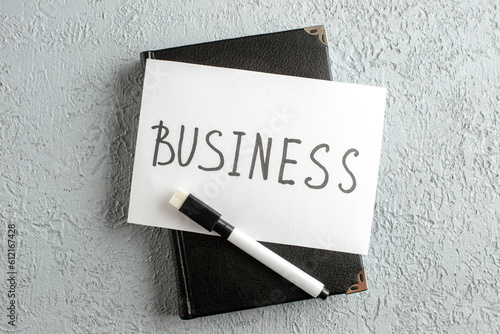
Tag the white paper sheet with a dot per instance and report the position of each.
(308, 117)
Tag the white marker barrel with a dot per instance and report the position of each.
(275, 262)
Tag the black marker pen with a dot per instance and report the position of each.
(210, 219)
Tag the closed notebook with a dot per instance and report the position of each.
(213, 276)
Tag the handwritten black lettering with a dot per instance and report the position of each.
(264, 161)
(193, 147)
(221, 156)
(344, 158)
(284, 160)
(237, 153)
(325, 180)
(165, 154)
(160, 140)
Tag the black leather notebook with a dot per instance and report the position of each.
(213, 276)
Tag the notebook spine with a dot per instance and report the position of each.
(182, 276)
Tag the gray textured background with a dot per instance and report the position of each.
(70, 94)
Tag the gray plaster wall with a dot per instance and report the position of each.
(69, 101)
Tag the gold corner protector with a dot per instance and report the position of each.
(320, 31)
(361, 285)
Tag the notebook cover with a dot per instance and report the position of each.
(213, 276)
